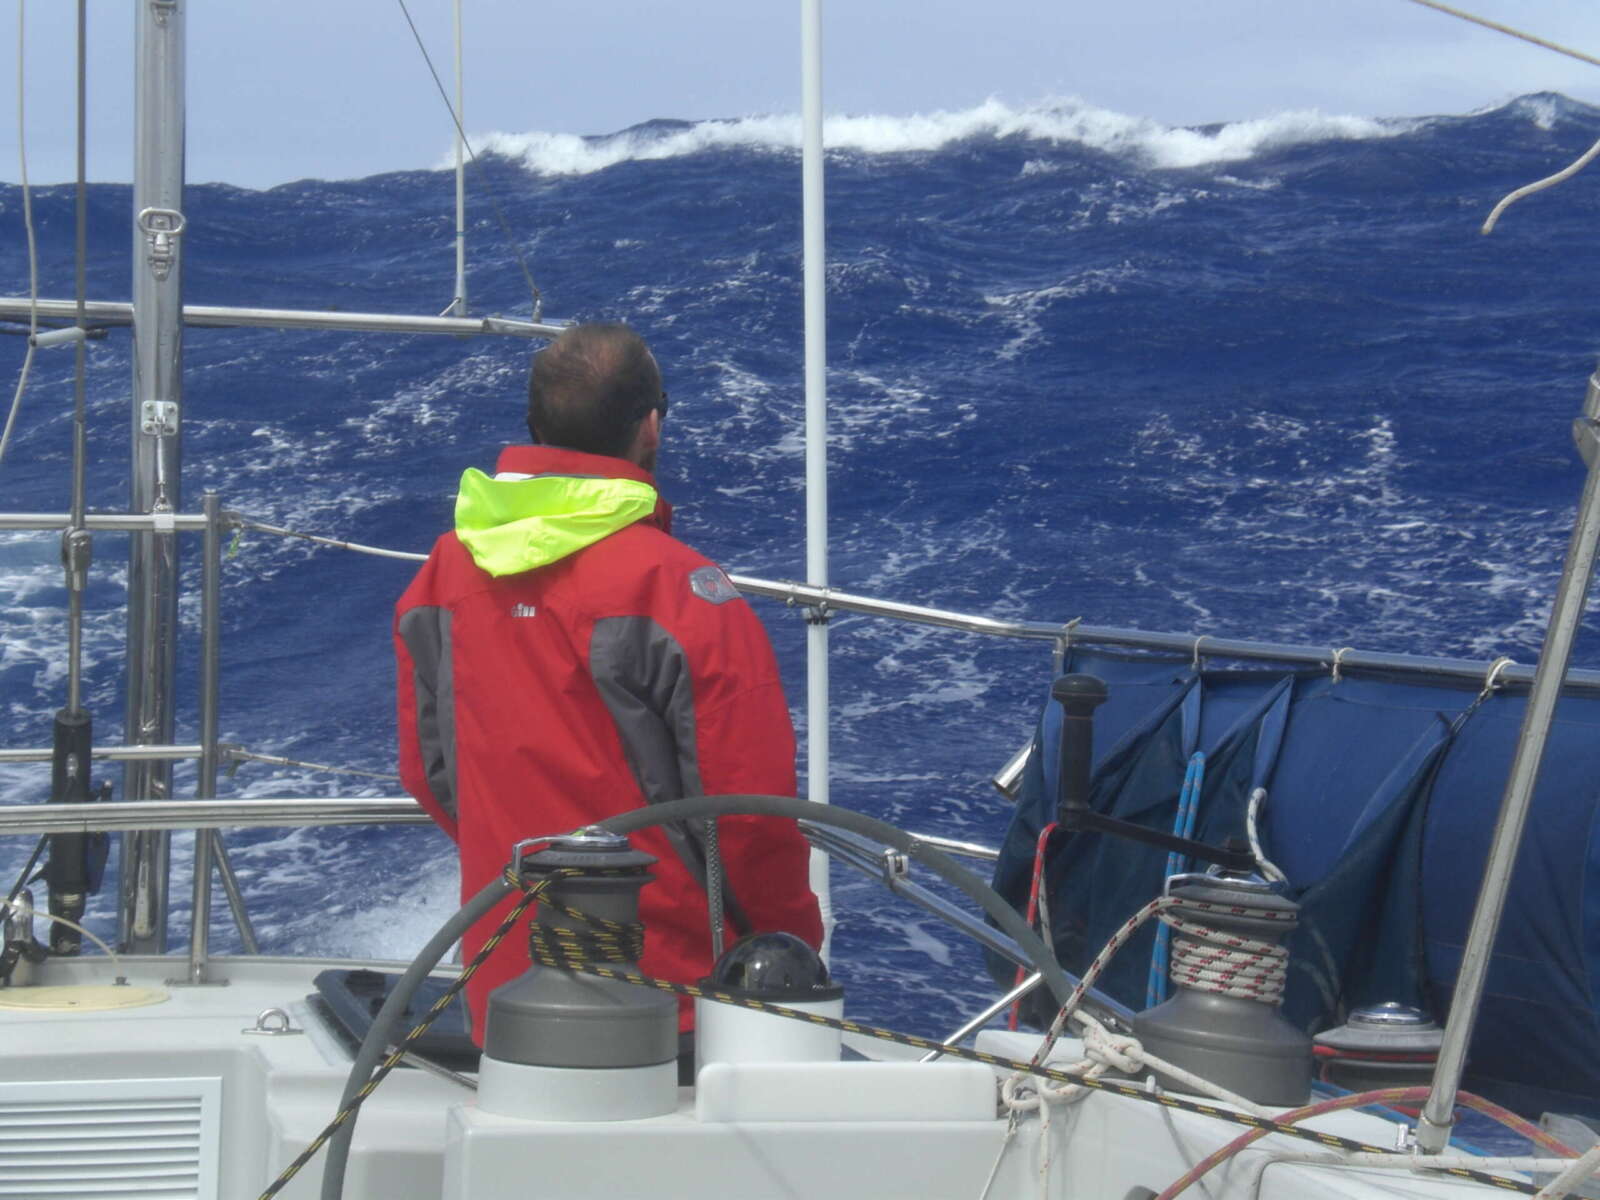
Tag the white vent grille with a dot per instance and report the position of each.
(115, 1139)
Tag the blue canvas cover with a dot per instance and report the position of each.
(1383, 792)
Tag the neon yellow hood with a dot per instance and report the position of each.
(514, 525)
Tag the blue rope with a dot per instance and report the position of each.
(1194, 776)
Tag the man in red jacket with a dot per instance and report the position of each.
(562, 658)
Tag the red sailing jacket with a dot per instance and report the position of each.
(561, 659)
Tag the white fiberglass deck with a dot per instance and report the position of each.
(175, 1099)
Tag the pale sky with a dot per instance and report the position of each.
(337, 89)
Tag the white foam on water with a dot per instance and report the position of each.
(1024, 309)
(1054, 121)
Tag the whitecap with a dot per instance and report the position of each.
(1055, 121)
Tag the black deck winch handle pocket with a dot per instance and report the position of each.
(1079, 696)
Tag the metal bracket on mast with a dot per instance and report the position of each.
(158, 418)
(163, 9)
(162, 227)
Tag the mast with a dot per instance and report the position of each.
(157, 396)
(816, 342)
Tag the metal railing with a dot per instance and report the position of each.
(110, 313)
(1197, 647)
(124, 816)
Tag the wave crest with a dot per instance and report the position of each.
(1154, 144)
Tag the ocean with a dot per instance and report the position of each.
(1262, 380)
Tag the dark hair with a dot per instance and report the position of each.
(589, 389)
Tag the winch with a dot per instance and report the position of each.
(1383, 1045)
(564, 1046)
(1223, 1021)
(1227, 958)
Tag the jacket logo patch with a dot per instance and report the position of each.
(709, 583)
(524, 610)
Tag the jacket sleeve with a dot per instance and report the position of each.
(424, 700)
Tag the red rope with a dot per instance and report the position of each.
(1033, 910)
(1387, 1096)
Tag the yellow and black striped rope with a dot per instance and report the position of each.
(593, 938)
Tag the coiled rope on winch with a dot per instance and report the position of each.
(1211, 961)
(593, 939)
(1207, 960)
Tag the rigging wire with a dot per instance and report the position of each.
(27, 220)
(336, 543)
(274, 760)
(75, 546)
(1509, 31)
(455, 119)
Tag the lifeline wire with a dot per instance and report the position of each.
(455, 119)
(27, 220)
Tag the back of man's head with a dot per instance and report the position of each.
(590, 387)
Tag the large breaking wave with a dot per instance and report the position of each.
(1060, 122)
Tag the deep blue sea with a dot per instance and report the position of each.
(1264, 380)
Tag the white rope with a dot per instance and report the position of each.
(1540, 185)
(1208, 960)
(1203, 959)
(1268, 868)
(1574, 1174)
(1338, 661)
(27, 220)
(1201, 1086)
(28, 911)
